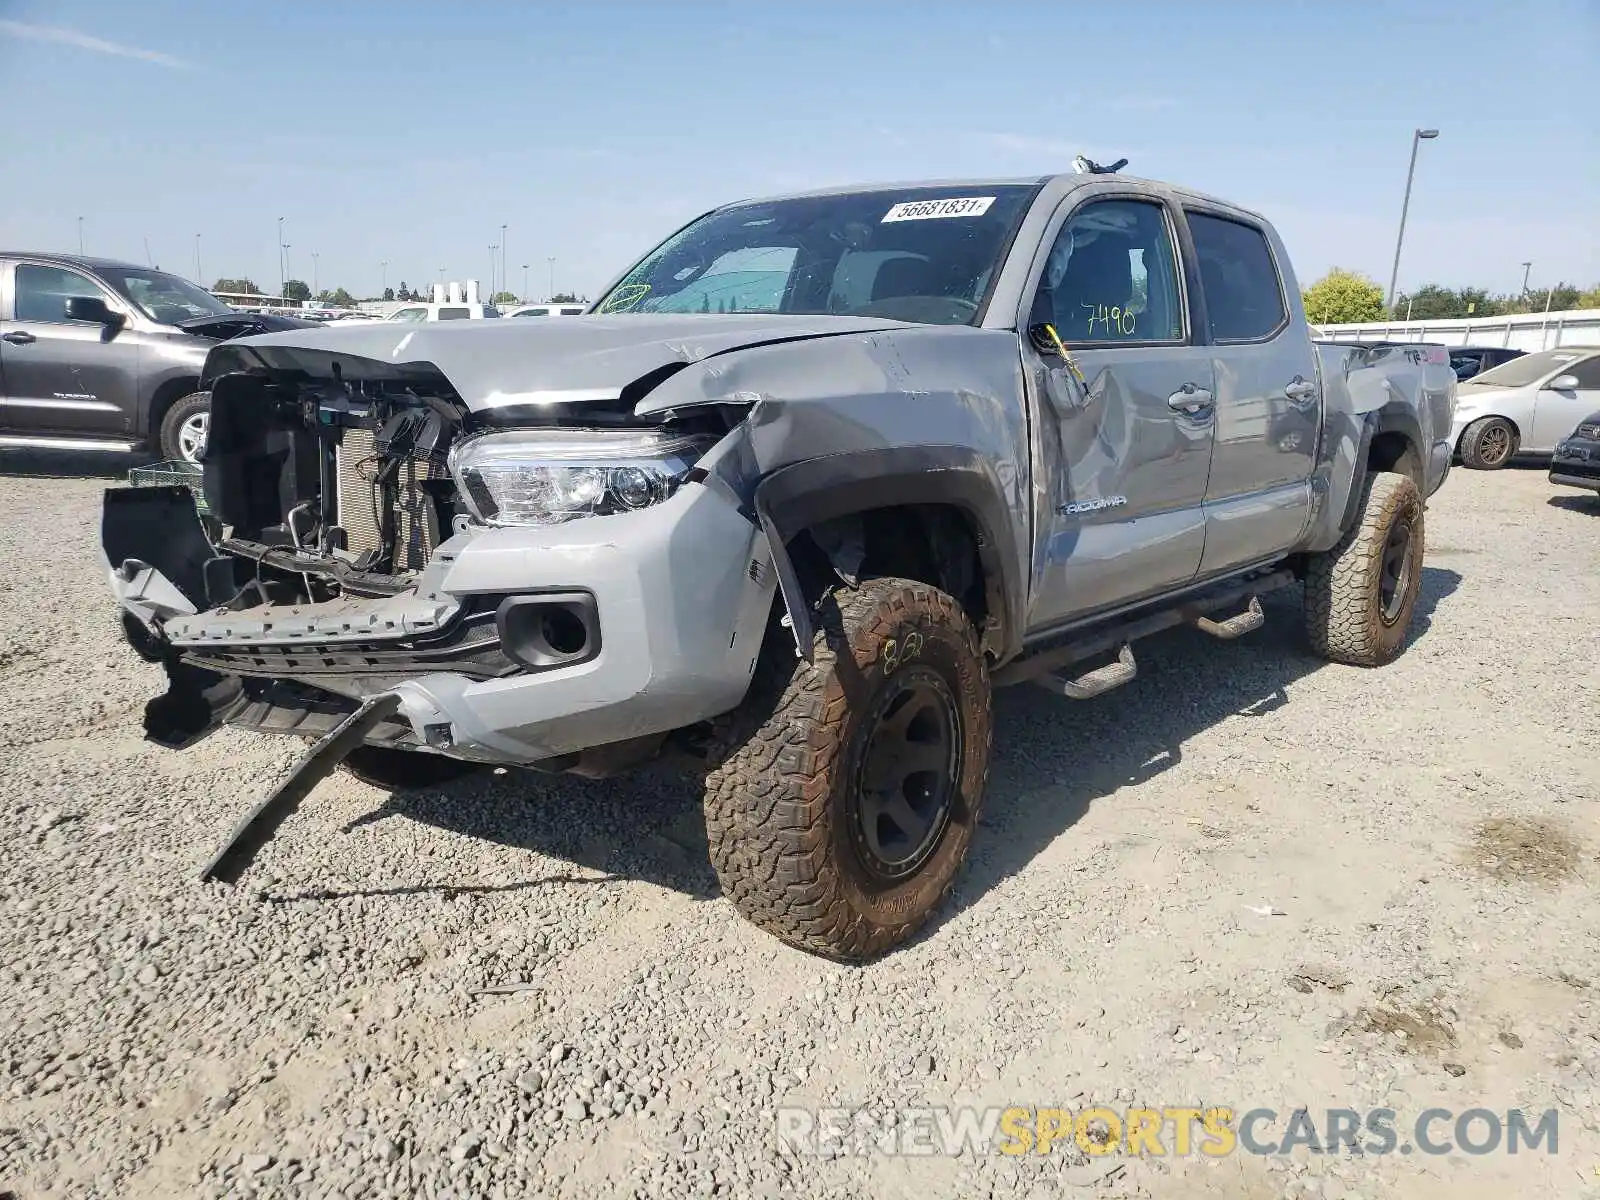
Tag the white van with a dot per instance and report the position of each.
(460, 311)
(548, 310)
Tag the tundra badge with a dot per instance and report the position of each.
(1089, 506)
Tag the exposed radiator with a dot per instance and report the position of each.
(415, 516)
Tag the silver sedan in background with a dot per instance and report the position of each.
(1525, 406)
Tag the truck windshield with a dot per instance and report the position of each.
(165, 298)
(910, 254)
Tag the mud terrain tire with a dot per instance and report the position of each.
(1359, 596)
(839, 823)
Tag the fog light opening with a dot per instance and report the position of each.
(563, 631)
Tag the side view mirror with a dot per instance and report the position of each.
(95, 310)
(1040, 337)
(1563, 383)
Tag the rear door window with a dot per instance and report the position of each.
(1244, 295)
(455, 314)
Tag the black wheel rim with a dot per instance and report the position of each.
(1395, 580)
(906, 777)
(1495, 444)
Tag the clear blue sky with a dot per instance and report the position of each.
(412, 131)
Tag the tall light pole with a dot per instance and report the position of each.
(1526, 267)
(199, 275)
(505, 272)
(524, 283)
(493, 267)
(286, 265)
(552, 263)
(315, 289)
(383, 279)
(283, 267)
(1417, 136)
(80, 235)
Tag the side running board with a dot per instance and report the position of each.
(1250, 620)
(1097, 682)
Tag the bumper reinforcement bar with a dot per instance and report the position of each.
(258, 826)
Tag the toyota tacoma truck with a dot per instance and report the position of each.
(803, 486)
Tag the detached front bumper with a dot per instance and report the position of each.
(518, 645)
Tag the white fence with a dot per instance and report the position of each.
(1524, 331)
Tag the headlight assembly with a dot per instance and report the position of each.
(547, 476)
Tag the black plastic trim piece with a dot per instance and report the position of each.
(836, 485)
(524, 632)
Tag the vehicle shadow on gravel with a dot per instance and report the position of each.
(1589, 503)
(69, 464)
(645, 826)
(1052, 759)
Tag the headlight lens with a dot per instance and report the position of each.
(549, 476)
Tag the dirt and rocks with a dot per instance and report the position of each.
(1247, 880)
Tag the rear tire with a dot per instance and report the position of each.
(839, 824)
(1359, 596)
(403, 770)
(1489, 443)
(183, 427)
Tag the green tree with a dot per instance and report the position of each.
(388, 293)
(503, 298)
(1591, 298)
(563, 298)
(1430, 302)
(1476, 302)
(236, 285)
(296, 289)
(342, 298)
(1343, 297)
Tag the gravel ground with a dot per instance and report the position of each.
(1248, 879)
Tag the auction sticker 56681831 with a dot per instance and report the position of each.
(925, 210)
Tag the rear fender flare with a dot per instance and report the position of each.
(798, 496)
(1392, 418)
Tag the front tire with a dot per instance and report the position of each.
(840, 823)
(1489, 443)
(1359, 596)
(184, 426)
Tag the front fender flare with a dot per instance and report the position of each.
(802, 494)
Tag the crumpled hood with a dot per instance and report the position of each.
(228, 325)
(494, 364)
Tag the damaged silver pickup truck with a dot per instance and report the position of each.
(805, 484)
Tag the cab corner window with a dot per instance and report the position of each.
(1112, 276)
(1244, 298)
(43, 292)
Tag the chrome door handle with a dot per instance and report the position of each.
(1190, 400)
(20, 337)
(1300, 390)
